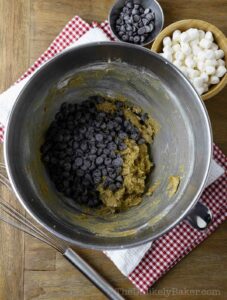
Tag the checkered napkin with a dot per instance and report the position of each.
(145, 264)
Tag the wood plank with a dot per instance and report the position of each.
(14, 57)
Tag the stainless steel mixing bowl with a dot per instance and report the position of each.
(181, 147)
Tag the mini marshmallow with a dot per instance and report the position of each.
(189, 62)
(201, 34)
(209, 36)
(206, 44)
(204, 77)
(168, 56)
(221, 62)
(177, 63)
(221, 70)
(167, 41)
(214, 79)
(193, 33)
(196, 50)
(205, 87)
(176, 35)
(194, 42)
(199, 90)
(184, 37)
(210, 54)
(214, 46)
(184, 70)
(167, 49)
(211, 62)
(196, 54)
(193, 73)
(210, 70)
(201, 55)
(198, 82)
(179, 55)
(176, 47)
(219, 53)
(200, 66)
(185, 48)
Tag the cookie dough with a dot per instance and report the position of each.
(147, 129)
(106, 106)
(136, 161)
(136, 167)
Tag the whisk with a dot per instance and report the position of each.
(13, 217)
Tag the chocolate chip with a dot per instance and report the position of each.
(141, 141)
(96, 173)
(118, 162)
(78, 162)
(141, 30)
(118, 185)
(86, 165)
(97, 179)
(142, 38)
(150, 16)
(135, 136)
(141, 10)
(122, 147)
(93, 150)
(99, 137)
(136, 18)
(99, 151)
(129, 5)
(104, 172)
(112, 146)
(80, 173)
(67, 166)
(108, 161)
(123, 135)
(119, 21)
(135, 11)
(151, 27)
(145, 21)
(136, 39)
(125, 37)
(119, 178)
(99, 160)
(112, 187)
(128, 28)
(147, 10)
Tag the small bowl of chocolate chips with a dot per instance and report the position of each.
(136, 21)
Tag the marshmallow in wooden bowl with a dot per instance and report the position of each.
(196, 54)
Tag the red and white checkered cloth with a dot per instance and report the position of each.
(168, 250)
(73, 30)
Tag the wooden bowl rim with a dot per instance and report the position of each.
(196, 22)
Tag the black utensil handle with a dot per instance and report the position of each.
(200, 216)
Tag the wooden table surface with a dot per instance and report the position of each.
(32, 270)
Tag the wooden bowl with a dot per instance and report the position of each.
(219, 38)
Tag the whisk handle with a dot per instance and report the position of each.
(92, 275)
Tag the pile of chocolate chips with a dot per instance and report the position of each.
(81, 149)
(134, 23)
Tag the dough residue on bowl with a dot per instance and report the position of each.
(173, 184)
